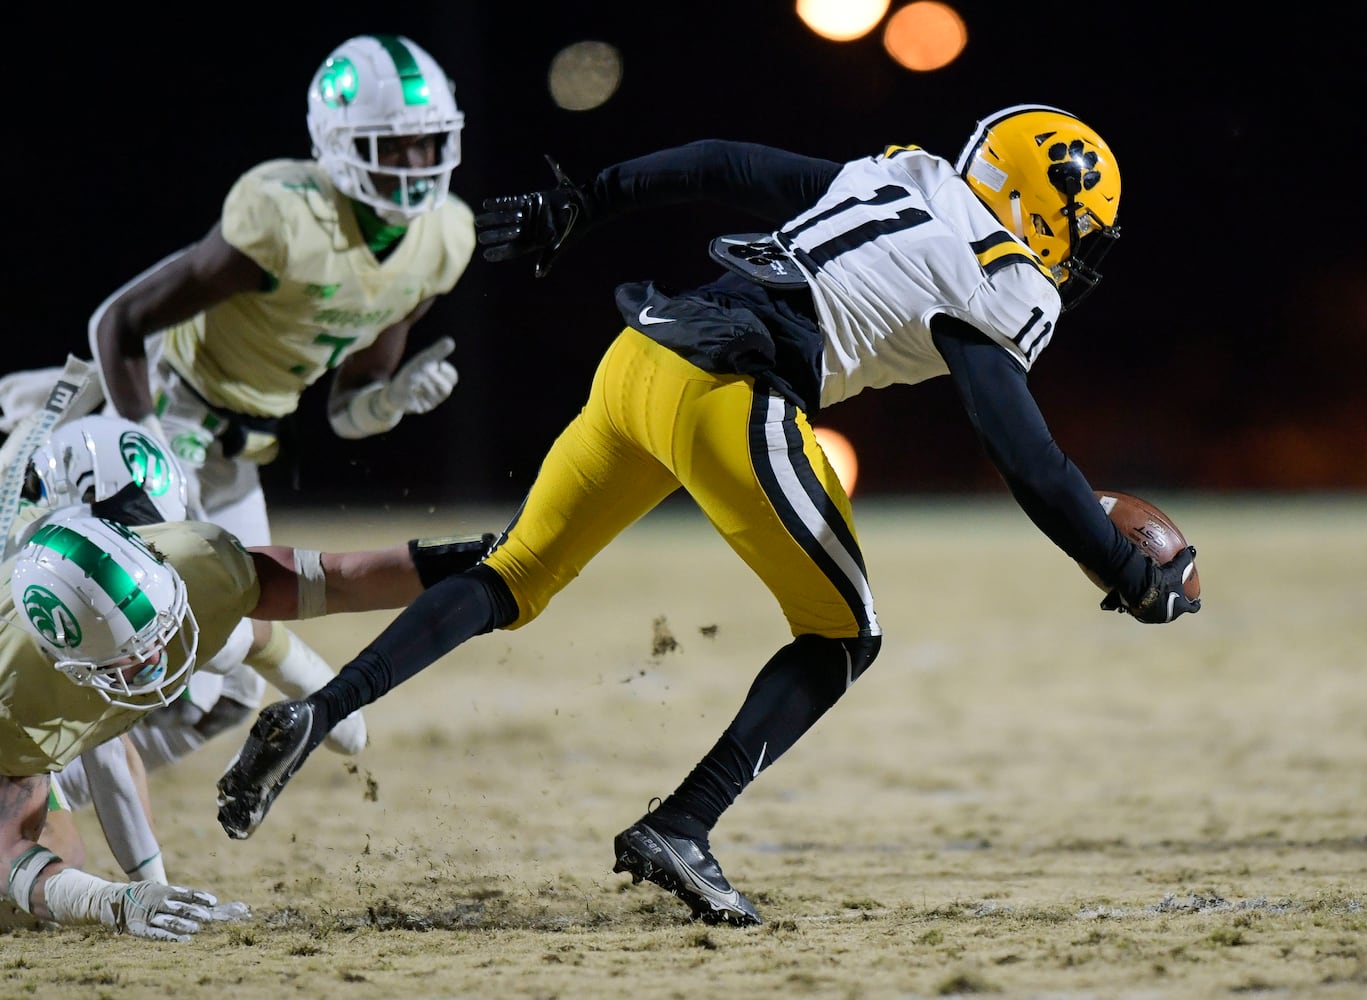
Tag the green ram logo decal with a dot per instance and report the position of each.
(337, 83)
(146, 462)
(52, 619)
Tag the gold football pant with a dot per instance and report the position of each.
(654, 422)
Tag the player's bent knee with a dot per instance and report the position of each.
(862, 650)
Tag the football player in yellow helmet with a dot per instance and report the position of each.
(894, 268)
(1054, 183)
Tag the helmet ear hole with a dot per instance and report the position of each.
(1042, 228)
(32, 490)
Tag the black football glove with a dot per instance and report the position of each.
(1163, 598)
(540, 222)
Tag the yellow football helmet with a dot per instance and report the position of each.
(1050, 179)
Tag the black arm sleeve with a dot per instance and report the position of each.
(1044, 481)
(772, 184)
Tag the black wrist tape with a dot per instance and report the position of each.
(437, 558)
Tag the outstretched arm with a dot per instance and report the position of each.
(770, 183)
(369, 580)
(1050, 489)
(762, 181)
(303, 583)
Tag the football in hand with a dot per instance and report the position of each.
(1149, 528)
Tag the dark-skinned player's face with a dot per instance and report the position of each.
(411, 152)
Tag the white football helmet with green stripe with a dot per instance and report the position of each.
(378, 87)
(94, 457)
(101, 603)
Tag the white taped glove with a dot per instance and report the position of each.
(142, 909)
(164, 912)
(425, 381)
(419, 386)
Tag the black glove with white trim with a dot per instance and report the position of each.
(540, 222)
(1164, 596)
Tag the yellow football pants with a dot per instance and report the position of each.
(654, 422)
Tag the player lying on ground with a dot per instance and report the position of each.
(107, 623)
(89, 460)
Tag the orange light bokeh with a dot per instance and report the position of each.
(842, 20)
(925, 35)
(841, 455)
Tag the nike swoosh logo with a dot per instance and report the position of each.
(760, 762)
(645, 319)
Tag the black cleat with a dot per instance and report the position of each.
(687, 869)
(278, 743)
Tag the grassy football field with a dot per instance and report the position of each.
(1024, 796)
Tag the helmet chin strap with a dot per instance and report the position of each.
(1017, 217)
(1072, 187)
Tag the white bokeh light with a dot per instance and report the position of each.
(584, 75)
(842, 20)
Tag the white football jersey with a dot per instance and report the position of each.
(896, 239)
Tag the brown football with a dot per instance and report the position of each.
(1149, 528)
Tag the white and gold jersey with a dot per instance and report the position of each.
(46, 721)
(939, 250)
(255, 353)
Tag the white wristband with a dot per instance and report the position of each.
(359, 413)
(24, 873)
(77, 897)
(313, 586)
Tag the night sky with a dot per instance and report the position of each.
(1224, 351)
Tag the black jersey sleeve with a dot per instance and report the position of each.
(769, 183)
(1050, 489)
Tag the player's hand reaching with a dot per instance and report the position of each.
(166, 912)
(424, 381)
(539, 222)
(1163, 597)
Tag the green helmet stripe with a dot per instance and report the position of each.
(414, 85)
(103, 569)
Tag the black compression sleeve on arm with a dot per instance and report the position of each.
(1044, 481)
(770, 183)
